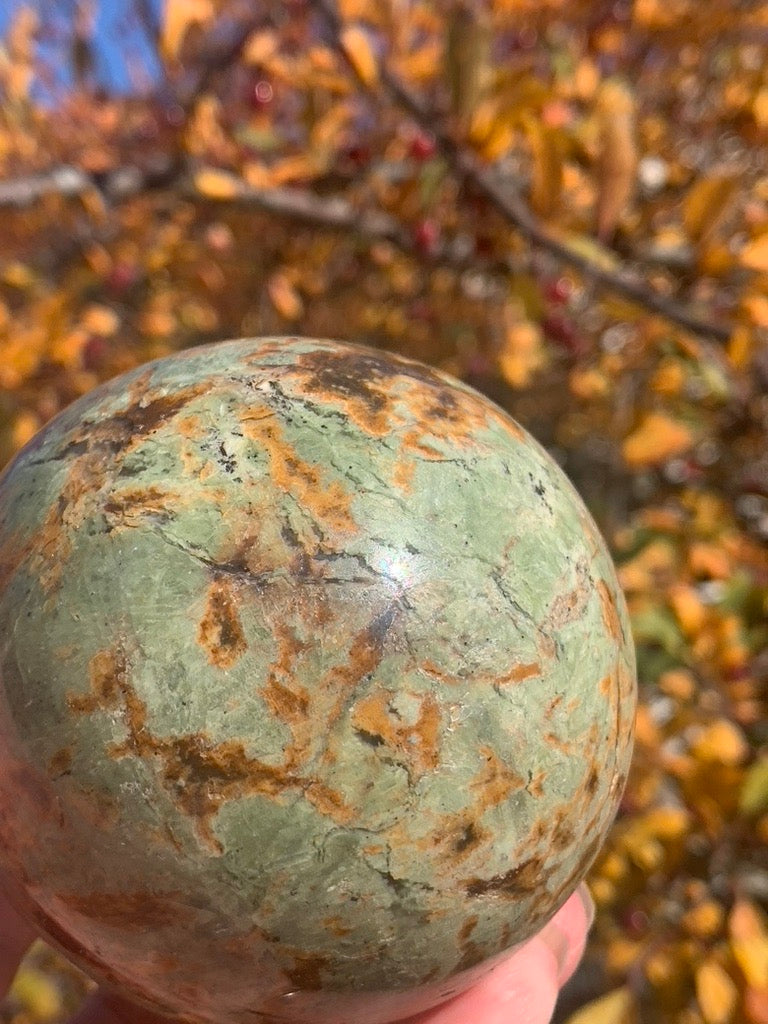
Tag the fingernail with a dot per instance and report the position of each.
(557, 943)
(588, 903)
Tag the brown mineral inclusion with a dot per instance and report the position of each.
(316, 684)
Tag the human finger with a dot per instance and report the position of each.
(524, 987)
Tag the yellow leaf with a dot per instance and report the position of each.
(260, 47)
(667, 823)
(688, 608)
(706, 203)
(760, 108)
(656, 439)
(25, 426)
(704, 920)
(216, 184)
(755, 254)
(757, 308)
(547, 168)
(615, 1008)
(523, 354)
(421, 64)
(588, 383)
(284, 296)
(38, 994)
(179, 16)
(740, 346)
(721, 743)
(586, 79)
(709, 560)
(716, 993)
(301, 167)
(101, 320)
(357, 46)
(754, 789)
(617, 163)
(749, 942)
(18, 275)
(327, 130)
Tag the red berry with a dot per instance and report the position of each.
(557, 290)
(359, 155)
(95, 352)
(485, 246)
(423, 146)
(635, 922)
(426, 234)
(562, 332)
(121, 277)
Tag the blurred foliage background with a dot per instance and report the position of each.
(562, 202)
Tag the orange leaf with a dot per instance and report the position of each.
(716, 993)
(615, 1008)
(656, 439)
(617, 164)
(522, 355)
(705, 204)
(749, 942)
(740, 346)
(756, 1005)
(179, 16)
(260, 47)
(755, 254)
(721, 743)
(357, 46)
(284, 296)
(216, 184)
(757, 308)
(688, 608)
(547, 169)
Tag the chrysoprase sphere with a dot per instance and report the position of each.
(316, 684)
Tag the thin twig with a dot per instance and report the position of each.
(332, 213)
(513, 208)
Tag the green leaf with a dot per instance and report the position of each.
(753, 798)
(260, 140)
(658, 626)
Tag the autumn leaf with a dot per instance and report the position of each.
(754, 790)
(179, 16)
(38, 994)
(656, 439)
(546, 168)
(615, 1008)
(284, 296)
(358, 48)
(749, 942)
(754, 255)
(716, 992)
(722, 742)
(523, 354)
(617, 162)
(215, 184)
(706, 203)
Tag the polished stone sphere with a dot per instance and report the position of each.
(316, 684)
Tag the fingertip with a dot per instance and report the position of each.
(566, 934)
(523, 988)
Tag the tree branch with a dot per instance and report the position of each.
(331, 213)
(511, 206)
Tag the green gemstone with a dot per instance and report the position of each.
(317, 684)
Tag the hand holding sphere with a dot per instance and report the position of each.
(316, 686)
